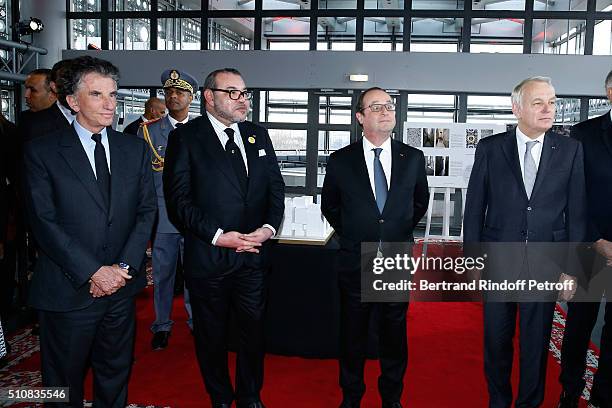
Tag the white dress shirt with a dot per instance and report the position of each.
(536, 151)
(385, 160)
(223, 138)
(173, 121)
(67, 114)
(90, 146)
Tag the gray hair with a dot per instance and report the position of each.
(609, 80)
(517, 92)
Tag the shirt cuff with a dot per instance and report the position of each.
(271, 228)
(217, 235)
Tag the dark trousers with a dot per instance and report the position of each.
(581, 318)
(535, 324)
(101, 335)
(393, 344)
(212, 298)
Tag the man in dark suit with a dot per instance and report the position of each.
(91, 205)
(224, 188)
(596, 138)
(38, 92)
(33, 124)
(154, 109)
(375, 190)
(527, 188)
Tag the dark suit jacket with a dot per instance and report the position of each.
(132, 128)
(203, 194)
(596, 137)
(497, 208)
(76, 233)
(41, 123)
(349, 204)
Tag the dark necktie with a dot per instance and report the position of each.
(380, 181)
(102, 173)
(235, 157)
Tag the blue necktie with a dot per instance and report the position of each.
(380, 181)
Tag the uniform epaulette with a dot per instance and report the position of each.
(148, 122)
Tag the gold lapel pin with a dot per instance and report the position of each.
(252, 139)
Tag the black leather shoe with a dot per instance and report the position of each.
(160, 340)
(348, 404)
(221, 405)
(568, 401)
(596, 402)
(395, 404)
(255, 404)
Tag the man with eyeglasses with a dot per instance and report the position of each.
(179, 88)
(375, 190)
(223, 185)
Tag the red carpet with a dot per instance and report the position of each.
(444, 369)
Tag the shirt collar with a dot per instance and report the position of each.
(368, 146)
(85, 134)
(523, 138)
(66, 112)
(173, 121)
(218, 125)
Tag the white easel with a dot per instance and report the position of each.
(445, 218)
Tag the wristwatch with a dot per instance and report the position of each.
(131, 271)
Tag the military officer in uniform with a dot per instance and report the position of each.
(179, 88)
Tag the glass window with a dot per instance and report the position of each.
(84, 32)
(560, 5)
(7, 105)
(5, 22)
(230, 33)
(604, 5)
(568, 110)
(558, 36)
(129, 34)
(437, 4)
(427, 107)
(435, 34)
(286, 5)
(602, 39)
(178, 33)
(335, 110)
(598, 107)
(384, 4)
(231, 4)
(337, 4)
(129, 5)
(285, 33)
(290, 148)
(497, 35)
(169, 5)
(84, 5)
(336, 33)
(130, 105)
(329, 142)
(283, 106)
(498, 5)
(383, 33)
(490, 109)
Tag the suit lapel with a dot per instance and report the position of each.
(548, 150)
(606, 133)
(74, 154)
(511, 153)
(217, 152)
(117, 157)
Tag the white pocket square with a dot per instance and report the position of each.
(262, 152)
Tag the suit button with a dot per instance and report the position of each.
(110, 224)
(528, 208)
(381, 221)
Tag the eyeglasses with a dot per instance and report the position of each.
(235, 94)
(378, 107)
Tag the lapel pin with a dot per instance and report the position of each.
(252, 139)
